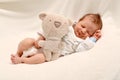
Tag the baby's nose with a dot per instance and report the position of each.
(57, 24)
(84, 31)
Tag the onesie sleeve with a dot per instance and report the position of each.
(85, 45)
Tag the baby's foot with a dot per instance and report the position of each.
(15, 59)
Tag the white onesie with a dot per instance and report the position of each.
(31, 51)
(74, 44)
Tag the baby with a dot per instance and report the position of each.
(83, 34)
(81, 37)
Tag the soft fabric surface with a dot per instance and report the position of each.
(19, 19)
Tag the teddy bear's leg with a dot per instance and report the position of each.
(47, 54)
(55, 55)
(24, 45)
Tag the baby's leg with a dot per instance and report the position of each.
(24, 45)
(35, 59)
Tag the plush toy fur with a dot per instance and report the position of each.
(54, 27)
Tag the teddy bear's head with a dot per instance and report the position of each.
(54, 25)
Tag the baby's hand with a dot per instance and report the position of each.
(97, 34)
(41, 37)
(36, 44)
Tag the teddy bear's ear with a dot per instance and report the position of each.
(70, 22)
(42, 16)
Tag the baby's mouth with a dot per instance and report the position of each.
(80, 33)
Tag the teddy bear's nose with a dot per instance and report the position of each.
(57, 24)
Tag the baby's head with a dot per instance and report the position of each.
(88, 25)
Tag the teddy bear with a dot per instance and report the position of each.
(55, 27)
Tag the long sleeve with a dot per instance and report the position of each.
(85, 45)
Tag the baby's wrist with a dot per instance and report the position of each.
(93, 39)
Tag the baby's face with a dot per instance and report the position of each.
(85, 28)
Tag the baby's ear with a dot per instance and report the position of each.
(42, 16)
(70, 22)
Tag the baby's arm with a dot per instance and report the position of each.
(89, 43)
(41, 37)
(85, 45)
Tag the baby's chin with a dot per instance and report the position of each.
(81, 36)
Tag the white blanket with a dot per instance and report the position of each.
(19, 19)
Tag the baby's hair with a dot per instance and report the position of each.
(96, 19)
